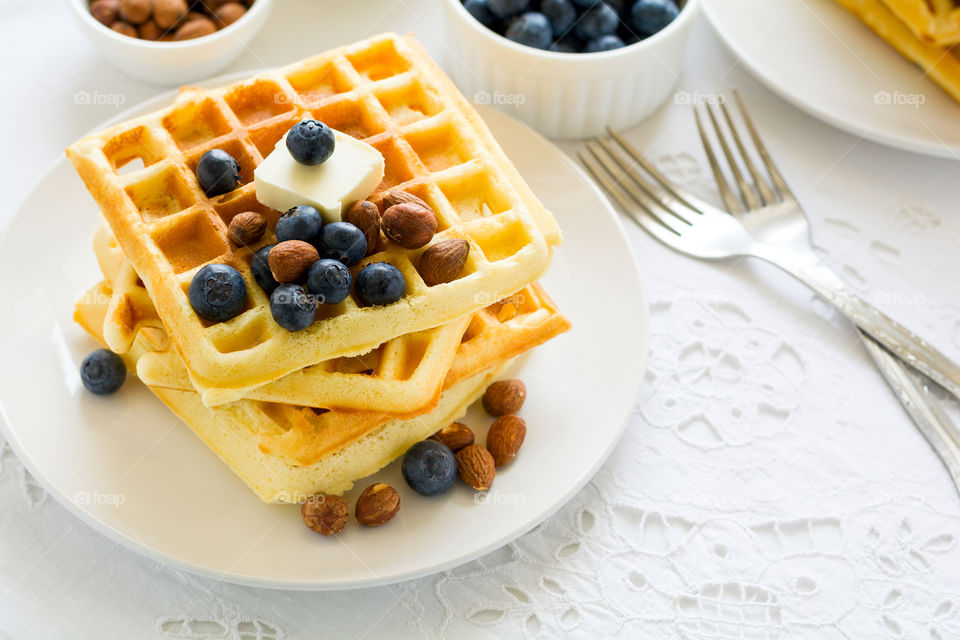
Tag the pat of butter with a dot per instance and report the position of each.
(351, 173)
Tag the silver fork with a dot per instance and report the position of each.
(769, 224)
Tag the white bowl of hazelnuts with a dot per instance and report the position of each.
(171, 41)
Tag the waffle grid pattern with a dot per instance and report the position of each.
(385, 90)
(934, 21)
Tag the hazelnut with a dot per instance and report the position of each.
(150, 31)
(136, 11)
(324, 514)
(365, 216)
(229, 13)
(166, 13)
(247, 227)
(377, 505)
(476, 467)
(195, 28)
(106, 12)
(409, 224)
(504, 397)
(505, 437)
(444, 261)
(290, 259)
(125, 28)
(211, 6)
(456, 436)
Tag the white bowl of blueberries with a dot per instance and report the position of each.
(569, 68)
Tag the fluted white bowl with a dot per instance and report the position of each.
(566, 95)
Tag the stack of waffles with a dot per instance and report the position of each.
(296, 413)
(926, 32)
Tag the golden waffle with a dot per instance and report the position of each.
(285, 453)
(402, 376)
(384, 90)
(941, 64)
(933, 21)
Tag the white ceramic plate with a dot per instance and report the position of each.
(822, 59)
(128, 468)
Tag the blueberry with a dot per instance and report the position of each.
(380, 283)
(302, 222)
(561, 14)
(604, 43)
(292, 308)
(103, 372)
(583, 4)
(506, 8)
(650, 16)
(217, 292)
(598, 20)
(429, 467)
(329, 281)
(532, 29)
(617, 5)
(564, 46)
(344, 242)
(261, 269)
(480, 10)
(310, 142)
(217, 172)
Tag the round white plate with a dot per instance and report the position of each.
(127, 467)
(822, 59)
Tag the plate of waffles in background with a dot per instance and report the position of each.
(884, 70)
(222, 430)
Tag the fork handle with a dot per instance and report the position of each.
(902, 342)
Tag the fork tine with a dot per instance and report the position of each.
(746, 191)
(726, 193)
(669, 219)
(766, 194)
(778, 181)
(671, 188)
(643, 217)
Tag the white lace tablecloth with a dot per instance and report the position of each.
(768, 485)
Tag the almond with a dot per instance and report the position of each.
(289, 260)
(136, 11)
(476, 467)
(409, 224)
(386, 199)
(167, 13)
(229, 13)
(106, 12)
(456, 436)
(505, 437)
(247, 227)
(195, 28)
(503, 397)
(125, 28)
(365, 216)
(444, 261)
(325, 514)
(377, 505)
(149, 31)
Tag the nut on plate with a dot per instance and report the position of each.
(456, 436)
(409, 224)
(386, 199)
(444, 261)
(504, 397)
(377, 505)
(288, 260)
(247, 227)
(365, 215)
(505, 438)
(476, 467)
(325, 514)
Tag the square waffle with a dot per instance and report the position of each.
(287, 452)
(388, 92)
(940, 63)
(934, 21)
(403, 376)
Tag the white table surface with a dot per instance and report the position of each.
(768, 485)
